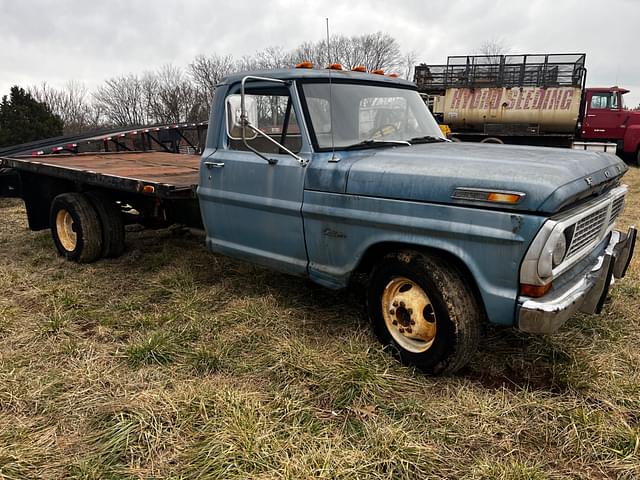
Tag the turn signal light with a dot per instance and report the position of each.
(334, 66)
(304, 64)
(359, 68)
(379, 71)
(504, 197)
(393, 75)
(535, 291)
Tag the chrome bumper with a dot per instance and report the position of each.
(587, 294)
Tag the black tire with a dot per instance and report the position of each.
(455, 311)
(112, 223)
(82, 240)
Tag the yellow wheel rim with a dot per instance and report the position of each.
(409, 315)
(65, 230)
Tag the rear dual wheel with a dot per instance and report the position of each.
(86, 227)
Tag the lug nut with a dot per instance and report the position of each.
(392, 312)
(402, 304)
(409, 330)
(413, 322)
(409, 311)
(401, 330)
(395, 322)
(395, 304)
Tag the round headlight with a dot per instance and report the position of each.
(559, 251)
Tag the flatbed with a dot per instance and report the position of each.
(152, 188)
(161, 174)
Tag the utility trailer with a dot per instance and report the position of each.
(87, 198)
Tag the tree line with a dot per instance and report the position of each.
(173, 94)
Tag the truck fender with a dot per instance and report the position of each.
(632, 139)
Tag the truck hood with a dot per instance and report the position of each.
(551, 178)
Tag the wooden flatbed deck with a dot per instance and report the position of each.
(163, 174)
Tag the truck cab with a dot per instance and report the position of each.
(605, 118)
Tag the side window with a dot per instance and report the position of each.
(277, 119)
(604, 100)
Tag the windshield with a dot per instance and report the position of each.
(367, 115)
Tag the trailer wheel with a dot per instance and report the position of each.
(492, 140)
(75, 228)
(112, 224)
(423, 309)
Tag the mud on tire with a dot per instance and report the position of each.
(451, 314)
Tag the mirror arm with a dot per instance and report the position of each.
(246, 124)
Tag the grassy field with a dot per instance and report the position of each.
(171, 362)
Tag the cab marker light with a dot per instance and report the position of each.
(334, 66)
(487, 195)
(304, 64)
(359, 68)
(148, 189)
(378, 71)
(393, 75)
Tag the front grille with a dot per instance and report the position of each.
(616, 208)
(588, 230)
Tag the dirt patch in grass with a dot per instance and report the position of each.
(171, 362)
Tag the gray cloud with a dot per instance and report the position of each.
(56, 41)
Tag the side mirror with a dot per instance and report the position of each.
(235, 120)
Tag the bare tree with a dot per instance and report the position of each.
(492, 47)
(123, 101)
(409, 63)
(71, 103)
(206, 73)
(373, 51)
(170, 95)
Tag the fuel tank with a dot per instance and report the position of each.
(541, 109)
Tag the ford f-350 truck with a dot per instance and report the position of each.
(332, 175)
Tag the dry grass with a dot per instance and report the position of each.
(171, 362)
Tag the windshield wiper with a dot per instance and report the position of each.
(427, 139)
(372, 142)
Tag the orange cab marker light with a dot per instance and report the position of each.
(379, 71)
(304, 64)
(393, 75)
(148, 189)
(359, 68)
(334, 66)
(504, 197)
(535, 291)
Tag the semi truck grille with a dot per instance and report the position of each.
(592, 228)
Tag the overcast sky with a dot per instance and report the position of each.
(55, 41)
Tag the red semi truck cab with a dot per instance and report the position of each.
(605, 118)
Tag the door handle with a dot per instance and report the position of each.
(214, 164)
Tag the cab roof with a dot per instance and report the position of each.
(319, 74)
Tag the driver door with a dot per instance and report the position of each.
(252, 209)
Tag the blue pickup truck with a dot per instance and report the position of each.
(335, 175)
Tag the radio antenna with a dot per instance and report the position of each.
(333, 145)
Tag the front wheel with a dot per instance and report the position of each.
(424, 310)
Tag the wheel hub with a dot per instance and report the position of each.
(409, 315)
(65, 228)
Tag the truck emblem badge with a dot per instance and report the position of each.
(589, 181)
(607, 174)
